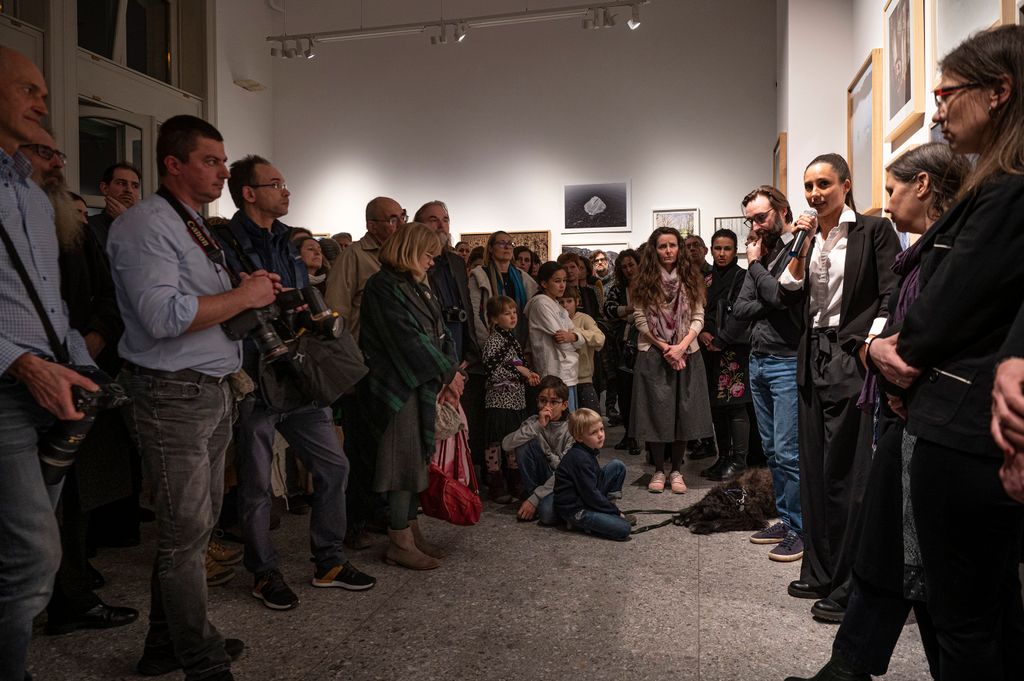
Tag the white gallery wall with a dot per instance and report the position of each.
(684, 108)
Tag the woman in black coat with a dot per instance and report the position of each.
(845, 267)
(972, 285)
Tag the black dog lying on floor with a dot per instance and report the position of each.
(745, 503)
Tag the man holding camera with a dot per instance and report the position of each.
(34, 389)
(258, 238)
(174, 292)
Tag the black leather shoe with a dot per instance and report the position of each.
(704, 449)
(157, 661)
(798, 589)
(101, 616)
(714, 468)
(728, 472)
(828, 610)
(624, 444)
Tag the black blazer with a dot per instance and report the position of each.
(1013, 346)
(868, 279)
(972, 287)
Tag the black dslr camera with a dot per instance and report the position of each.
(453, 315)
(59, 445)
(262, 324)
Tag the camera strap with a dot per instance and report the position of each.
(204, 240)
(60, 350)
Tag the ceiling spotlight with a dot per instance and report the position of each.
(590, 20)
(291, 51)
(274, 52)
(460, 32)
(609, 18)
(309, 49)
(634, 22)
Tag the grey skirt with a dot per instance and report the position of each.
(669, 405)
(401, 466)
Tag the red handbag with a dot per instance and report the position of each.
(451, 493)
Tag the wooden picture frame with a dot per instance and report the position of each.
(685, 220)
(864, 134)
(538, 241)
(954, 20)
(779, 163)
(904, 66)
(1018, 13)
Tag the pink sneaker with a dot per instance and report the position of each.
(657, 483)
(677, 483)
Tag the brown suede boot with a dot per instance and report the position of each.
(432, 550)
(402, 551)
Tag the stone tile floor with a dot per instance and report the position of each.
(514, 601)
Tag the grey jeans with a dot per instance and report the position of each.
(182, 430)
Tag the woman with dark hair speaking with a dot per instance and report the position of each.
(670, 392)
(972, 285)
(922, 184)
(844, 265)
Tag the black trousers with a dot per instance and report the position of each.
(732, 431)
(473, 404)
(835, 460)
(362, 504)
(624, 381)
(969, 531)
(72, 590)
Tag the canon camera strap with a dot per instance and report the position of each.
(60, 351)
(204, 240)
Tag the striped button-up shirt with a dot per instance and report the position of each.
(28, 218)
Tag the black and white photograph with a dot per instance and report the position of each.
(597, 207)
(899, 54)
(736, 224)
(904, 66)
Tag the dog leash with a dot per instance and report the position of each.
(675, 519)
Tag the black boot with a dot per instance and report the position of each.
(716, 467)
(836, 669)
(701, 449)
(731, 468)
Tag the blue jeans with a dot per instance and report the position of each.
(310, 432)
(534, 470)
(601, 524)
(29, 537)
(773, 388)
(182, 430)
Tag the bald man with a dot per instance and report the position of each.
(35, 391)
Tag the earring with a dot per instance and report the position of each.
(992, 110)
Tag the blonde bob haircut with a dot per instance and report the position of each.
(581, 421)
(407, 245)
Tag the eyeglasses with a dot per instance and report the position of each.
(600, 260)
(46, 153)
(393, 220)
(505, 244)
(279, 186)
(942, 93)
(758, 218)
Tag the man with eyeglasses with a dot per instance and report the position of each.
(101, 473)
(121, 187)
(259, 192)
(778, 323)
(34, 389)
(345, 284)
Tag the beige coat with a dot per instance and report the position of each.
(347, 279)
(593, 339)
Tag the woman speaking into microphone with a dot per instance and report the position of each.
(844, 266)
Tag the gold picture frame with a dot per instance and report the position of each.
(537, 241)
(864, 133)
(779, 163)
(904, 66)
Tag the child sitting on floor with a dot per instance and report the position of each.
(593, 341)
(539, 444)
(583, 490)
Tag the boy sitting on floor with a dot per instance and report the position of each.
(583, 489)
(539, 444)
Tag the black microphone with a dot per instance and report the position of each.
(802, 234)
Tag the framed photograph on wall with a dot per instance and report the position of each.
(597, 207)
(1019, 14)
(538, 241)
(686, 220)
(864, 134)
(736, 224)
(779, 163)
(955, 20)
(904, 60)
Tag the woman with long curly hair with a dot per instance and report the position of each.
(670, 392)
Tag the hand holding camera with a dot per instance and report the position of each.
(51, 385)
(259, 289)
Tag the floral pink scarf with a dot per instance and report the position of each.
(671, 320)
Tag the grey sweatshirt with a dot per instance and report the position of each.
(554, 440)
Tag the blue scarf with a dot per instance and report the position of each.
(518, 292)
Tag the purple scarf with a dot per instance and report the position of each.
(908, 266)
(671, 320)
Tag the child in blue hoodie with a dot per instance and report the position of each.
(583, 489)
